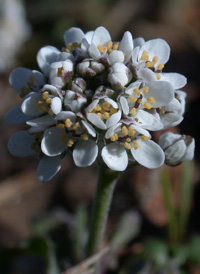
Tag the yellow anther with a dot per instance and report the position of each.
(133, 111)
(50, 112)
(124, 130)
(44, 95)
(114, 137)
(25, 90)
(59, 72)
(147, 106)
(100, 48)
(30, 83)
(70, 143)
(106, 115)
(160, 66)
(63, 138)
(76, 126)
(48, 100)
(163, 111)
(140, 101)
(151, 100)
(145, 56)
(42, 109)
(131, 131)
(99, 114)
(144, 138)
(155, 59)
(105, 106)
(65, 50)
(135, 145)
(158, 76)
(137, 91)
(60, 126)
(128, 140)
(146, 89)
(68, 123)
(72, 46)
(109, 45)
(149, 64)
(98, 108)
(115, 46)
(40, 103)
(84, 137)
(113, 110)
(127, 145)
(132, 99)
(32, 78)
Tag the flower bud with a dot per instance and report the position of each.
(177, 148)
(88, 68)
(119, 75)
(78, 85)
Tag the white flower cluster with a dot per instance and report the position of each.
(99, 99)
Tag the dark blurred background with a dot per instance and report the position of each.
(26, 26)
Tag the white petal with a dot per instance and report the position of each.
(47, 120)
(92, 105)
(171, 120)
(138, 42)
(177, 80)
(116, 56)
(112, 102)
(56, 105)
(19, 77)
(113, 119)
(147, 120)
(85, 153)
(51, 144)
(126, 45)
(189, 155)
(37, 129)
(16, 116)
(115, 156)
(135, 55)
(53, 90)
(73, 35)
(89, 128)
(89, 35)
(94, 52)
(156, 47)
(101, 36)
(168, 138)
(147, 75)
(141, 130)
(174, 154)
(46, 56)
(112, 130)
(29, 105)
(63, 115)
(149, 154)
(95, 120)
(48, 167)
(161, 91)
(20, 144)
(124, 105)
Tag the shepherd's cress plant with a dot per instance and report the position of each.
(98, 99)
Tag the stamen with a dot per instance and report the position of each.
(63, 138)
(128, 140)
(133, 111)
(113, 110)
(59, 73)
(48, 101)
(137, 91)
(132, 99)
(40, 103)
(105, 106)
(100, 48)
(149, 65)
(70, 143)
(84, 137)
(99, 114)
(42, 109)
(131, 131)
(115, 46)
(155, 60)
(109, 45)
(44, 95)
(158, 76)
(151, 100)
(147, 105)
(124, 130)
(144, 138)
(114, 137)
(60, 126)
(50, 112)
(135, 145)
(76, 126)
(160, 66)
(146, 89)
(127, 145)
(145, 56)
(106, 115)
(68, 123)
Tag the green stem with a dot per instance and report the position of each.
(101, 206)
(186, 196)
(170, 208)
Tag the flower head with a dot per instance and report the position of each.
(98, 99)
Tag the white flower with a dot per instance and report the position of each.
(89, 68)
(177, 148)
(119, 75)
(127, 140)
